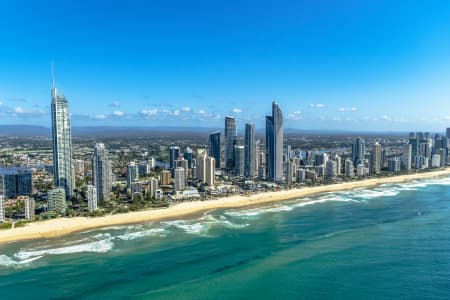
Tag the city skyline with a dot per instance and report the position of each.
(325, 63)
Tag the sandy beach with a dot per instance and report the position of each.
(64, 226)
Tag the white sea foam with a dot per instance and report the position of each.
(101, 246)
(139, 234)
(9, 262)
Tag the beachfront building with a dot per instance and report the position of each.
(239, 162)
(133, 174)
(92, 198)
(179, 179)
(230, 140)
(210, 172)
(435, 161)
(406, 157)
(249, 151)
(15, 182)
(375, 159)
(274, 144)
(331, 169)
(358, 151)
(57, 201)
(2, 209)
(214, 147)
(62, 141)
(101, 172)
(29, 205)
(394, 165)
(153, 186)
(349, 168)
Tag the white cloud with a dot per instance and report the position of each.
(149, 112)
(237, 110)
(186, 109)
(118, 113)
(296, 115)
(317, 105)
(176, 112)
(19, 110)
(202, 112)
(343, 109)
(115, 104)
(100, 117)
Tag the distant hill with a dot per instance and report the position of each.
(118, 131)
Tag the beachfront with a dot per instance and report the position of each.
(64, 226)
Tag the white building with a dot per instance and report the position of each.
(57, 201)
(394, 165)
(406, 158)
(349, 169)
(331, 169)
(2, 209)
(435, 161)
(29, 207)
(92, 198)
(210, 171)
(180, 179)
(153, 186)
(362, 170)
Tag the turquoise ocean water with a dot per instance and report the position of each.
(389, 242)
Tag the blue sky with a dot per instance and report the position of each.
(354, 65)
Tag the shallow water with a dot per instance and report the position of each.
(388, 242)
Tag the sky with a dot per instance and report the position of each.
(350, 65)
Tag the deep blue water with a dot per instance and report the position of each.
(390, 242)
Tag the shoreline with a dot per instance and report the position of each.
(66, 226)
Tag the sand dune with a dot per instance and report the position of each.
(64, 226)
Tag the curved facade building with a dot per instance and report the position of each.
(62, 142)
(274, 143)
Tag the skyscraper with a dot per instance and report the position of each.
(179, 179)
(214, 147)
(250, 150)
(375, 159)
(447, 133)
(101, 172)
(29, 206)
(133, 174)
(15, 182)
(62, 141)
(230, 138)
(189, 156)
(406, 157)
(274, 143)
(210, 171)
(358, 151)
(174, 153)
(239, 160)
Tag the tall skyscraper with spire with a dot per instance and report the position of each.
(62, 141)
(274, 143)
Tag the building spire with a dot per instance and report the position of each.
(53, 75)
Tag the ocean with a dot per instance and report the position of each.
(388, 242)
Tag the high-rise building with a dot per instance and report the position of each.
(62, 141)
(375, 159)
(291, 171)
(179, 179)
(394, 165)
(201, 166)
(2, 209)
(29, 205)
(214, 147)
(435, 161)
(249, 151)
(189, 157)
(210, 171)
(406, 157)
(133, 173)
(174, 153)
(101, 172)
(331, 169)
(230, 139)
(447, 133)
(165, 177)
(153, 186)
(349, 168)
(15, 182)
(274, 144)
(444, 156)
(57, 200)
(239, 160)
(92, 198)
(358, 151)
